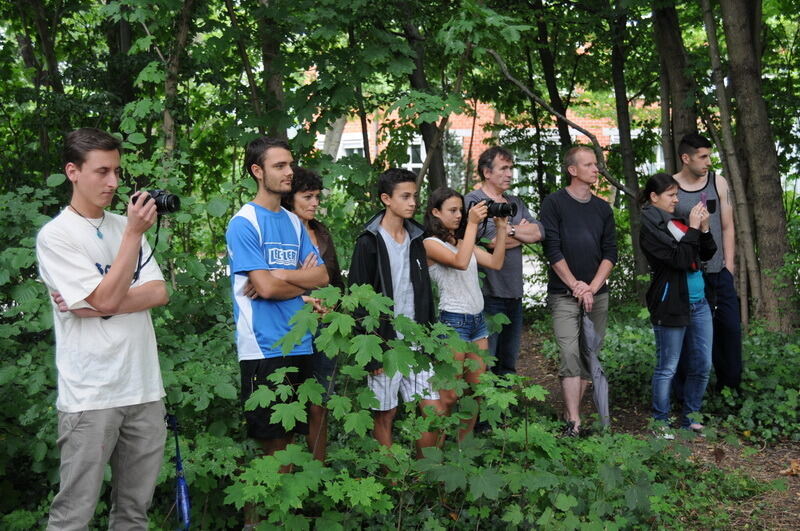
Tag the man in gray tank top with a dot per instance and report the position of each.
(698, 183)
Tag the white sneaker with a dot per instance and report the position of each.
(664, 433)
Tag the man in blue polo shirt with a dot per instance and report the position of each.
(272, 263)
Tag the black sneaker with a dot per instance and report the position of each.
(482, 426)
(569, 430)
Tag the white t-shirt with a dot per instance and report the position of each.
(102, 363)
(402, 290)
(459, 291)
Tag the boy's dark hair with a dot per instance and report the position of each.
(690, 143)
(303, 181)
(391, 178)
(81, 141)
(256, 149)
(487, 158)
(433, 225)
(657, 184)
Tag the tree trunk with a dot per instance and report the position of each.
(549, 71)
(118, 66)
(436, 173)
(670, 165)
(272, 36)
(744, 229)
(333, 137)
(765, 192)
(47, 39)
(669, 44)
(248, 69)
(618, 58)
(173, 69)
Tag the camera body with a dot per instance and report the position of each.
(166, 203)
(497, 210)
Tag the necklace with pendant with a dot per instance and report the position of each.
(96, 228)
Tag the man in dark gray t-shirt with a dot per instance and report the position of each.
(502, 289)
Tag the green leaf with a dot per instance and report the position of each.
(38, 451)
(288, 414)
(225, 390)
(400, 359)
(339, 405)
(513, 515)
(218, 206)
(261, 397)
(359, 422)
(487, 483)
(136, 138)
(341, 322)
(56, 179)
(310, 391)
(366, 348)
(565, 502)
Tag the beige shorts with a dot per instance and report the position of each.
(567, 327)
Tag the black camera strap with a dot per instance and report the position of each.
(139, 264)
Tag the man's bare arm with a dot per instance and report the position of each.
(268, 286)
(149, 295)
(113, 289)
(726, 218)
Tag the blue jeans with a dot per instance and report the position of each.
(669, 342)
(504, 346)
(469, 327)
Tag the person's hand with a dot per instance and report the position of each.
(59, 301)
(316, 303)
(502, 224)
(580, 288)
(477, 213)
(587, 300)
(309, 262)
(698, 217)
(249, 290)
(141, 214)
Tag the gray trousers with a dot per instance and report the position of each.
(132, 439)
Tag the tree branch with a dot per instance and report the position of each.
(443, 122)
(595, 144)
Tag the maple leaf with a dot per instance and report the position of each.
(487, 483)
(288, 414)
(366, 348)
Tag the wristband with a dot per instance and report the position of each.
(513, 231)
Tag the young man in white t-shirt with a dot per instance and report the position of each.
(110, 392)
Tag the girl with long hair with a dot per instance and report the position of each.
(453, 259)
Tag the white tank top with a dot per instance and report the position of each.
(459, 291)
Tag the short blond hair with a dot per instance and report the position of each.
(571, 156)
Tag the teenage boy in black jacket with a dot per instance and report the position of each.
(390, 256)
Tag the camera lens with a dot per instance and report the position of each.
(167, 203)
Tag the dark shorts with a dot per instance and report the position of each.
(254, 375)
(324, 372)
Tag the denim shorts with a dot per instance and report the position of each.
(469, 327)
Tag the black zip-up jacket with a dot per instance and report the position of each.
(670, 260)
(370, 265)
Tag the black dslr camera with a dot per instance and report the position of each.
(166, 203)
(497, 210)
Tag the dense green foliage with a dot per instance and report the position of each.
(110, 64)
